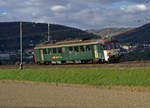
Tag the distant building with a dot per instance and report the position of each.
(29, 52)
(4, 56)
(125, 47)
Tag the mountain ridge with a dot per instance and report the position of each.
(35, 33)
(108, 31)
(138, 35)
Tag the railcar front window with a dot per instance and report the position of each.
(107, 47)
(117, 46)
(104, 47)
(113, 45)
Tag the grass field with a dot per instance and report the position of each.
(89, 76)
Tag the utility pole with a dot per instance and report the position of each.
(21, 57)
(48, 33)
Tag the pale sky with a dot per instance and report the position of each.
(83, 14)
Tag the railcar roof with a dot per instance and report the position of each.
(70, 43)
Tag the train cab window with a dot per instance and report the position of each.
(54, 50)
(113, 45)
(107, 47)
(88, 48)
(70, 49)
(104, 47)
(117, 45)
(81, 48)
(49, 51)
(59, 50)
(76, 49)
(44, 51)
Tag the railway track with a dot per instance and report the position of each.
(135, 64)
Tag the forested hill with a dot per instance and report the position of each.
(35, 33)
(109, 31)
(138, 35)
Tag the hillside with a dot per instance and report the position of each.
(109, 31)
(136, 40)
(137, 35)
(35, 33)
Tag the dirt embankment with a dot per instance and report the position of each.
(20, 94)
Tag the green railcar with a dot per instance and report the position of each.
(77, 51)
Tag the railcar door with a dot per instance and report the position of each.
(42, 56)
(95, 51)
(64, 54)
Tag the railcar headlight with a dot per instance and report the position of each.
(108, 53)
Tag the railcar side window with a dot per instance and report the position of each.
(81, 48)
(70, 49)
(59, 50)
(44, 51)
(49, 51)
(76, 49)
(54, 50)
(88, 48)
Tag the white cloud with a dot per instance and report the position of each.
(86, 14)
(4, 13)
(3, 3)
(141, 7)
(58, 8)
(134, 8)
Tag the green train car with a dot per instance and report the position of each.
(77, 51)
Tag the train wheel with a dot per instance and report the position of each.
(117, 60)
(110, 61)
(83, 61)
(100, 61)
(47, 63)
(38, 63)
(63, 62)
